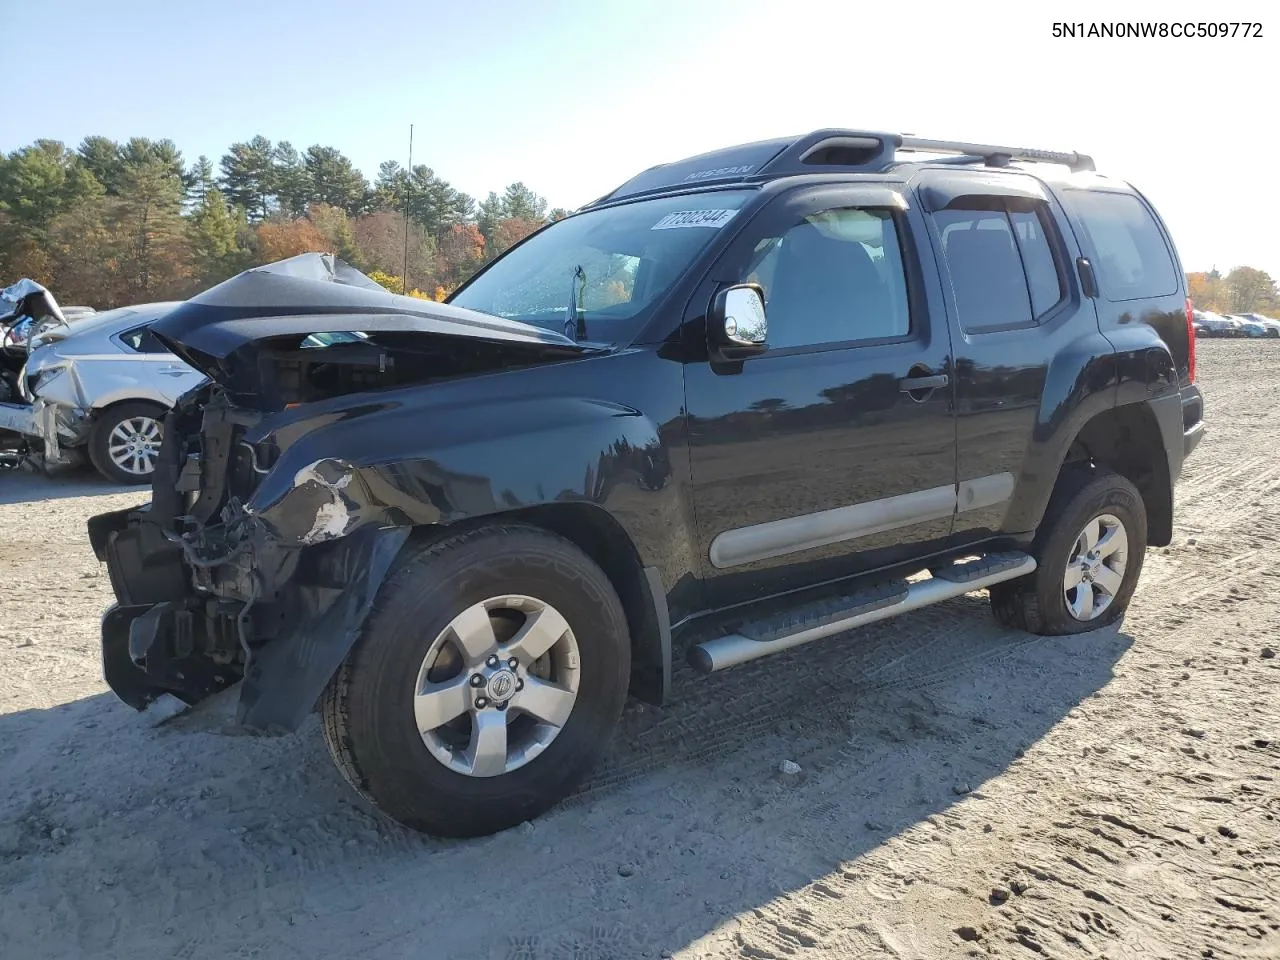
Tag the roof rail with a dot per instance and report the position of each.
(998, 156)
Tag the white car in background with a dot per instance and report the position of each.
(101, 385)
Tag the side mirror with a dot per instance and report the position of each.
(736, 324)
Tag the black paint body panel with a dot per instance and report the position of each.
(658, 445)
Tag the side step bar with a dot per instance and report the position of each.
(761, 638)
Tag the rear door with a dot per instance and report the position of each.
(834, 451)
(1014, 306)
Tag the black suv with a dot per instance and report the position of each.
(747, 397)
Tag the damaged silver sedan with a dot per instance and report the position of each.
(101, 388)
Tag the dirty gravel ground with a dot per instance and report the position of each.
(963, 790)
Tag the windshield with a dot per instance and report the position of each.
(628, 256)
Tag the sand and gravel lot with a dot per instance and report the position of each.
(964, 790)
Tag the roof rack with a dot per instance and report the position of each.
(995, 156)
(830, 150)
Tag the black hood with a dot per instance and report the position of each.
(316, 293)
(268, 312)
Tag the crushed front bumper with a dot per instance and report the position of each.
(51, 423)
(281, 619)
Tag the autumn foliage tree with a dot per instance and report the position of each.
(116, 222)
(1251, 291)
(461, 254)
(507, 233)
(287, 238)
(1243, 290)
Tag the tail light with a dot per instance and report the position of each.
(1191, 344)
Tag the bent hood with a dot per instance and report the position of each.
(271, 311)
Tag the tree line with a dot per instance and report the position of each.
(110, 223)
(1243, 290)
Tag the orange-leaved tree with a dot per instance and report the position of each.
(461, 253)
(507, 233)
(288, 238)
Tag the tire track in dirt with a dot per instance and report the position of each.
(1089, 780)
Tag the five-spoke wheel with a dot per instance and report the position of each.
(497, 685)
(1089, 550)
(1095, 569)
(487, 680)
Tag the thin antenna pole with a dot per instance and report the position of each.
(408, 184)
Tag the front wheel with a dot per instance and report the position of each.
(1089, 552)
(487, 681)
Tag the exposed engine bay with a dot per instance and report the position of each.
(259, 556)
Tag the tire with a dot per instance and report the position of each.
(1038, 603)
(368, 709)
(129, 418)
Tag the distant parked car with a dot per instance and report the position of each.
(1272, 326)
(1215, 325)
(103, 385)
(1249, 328)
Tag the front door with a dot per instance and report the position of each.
(833, 452)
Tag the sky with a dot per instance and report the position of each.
(574, 98)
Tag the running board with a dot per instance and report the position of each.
(763, 637)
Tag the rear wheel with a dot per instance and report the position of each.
(1089, 552)
(124, 442)
(487, 681)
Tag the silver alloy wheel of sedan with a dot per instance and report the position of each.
(1095, 569)
(134, 445)
(497, 685)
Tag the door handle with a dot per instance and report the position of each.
(920, 384)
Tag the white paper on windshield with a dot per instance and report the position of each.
(715, 219)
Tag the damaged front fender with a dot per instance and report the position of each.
(324, 613)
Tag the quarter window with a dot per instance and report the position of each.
(143, 340)
(1133, 260)
(1001, 264)
(834, 277)
(1037, 260)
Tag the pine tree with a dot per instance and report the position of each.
(335, 180)
(200, 178)
(391, 187)
(140, 151)
(214, 234)
(519, 202)
(101, 157)
(146, 218)
(248, 177)
(292, 183)
(491, 214)
(41, 181)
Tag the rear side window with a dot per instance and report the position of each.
(1001, 265)
(1133, 261)
(142, 340)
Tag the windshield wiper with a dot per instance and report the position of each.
(575, 322)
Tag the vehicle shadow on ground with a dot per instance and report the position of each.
(688, 823)
(25, 484)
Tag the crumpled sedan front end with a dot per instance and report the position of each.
(61, 405)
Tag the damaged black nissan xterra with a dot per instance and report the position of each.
(746, 398)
